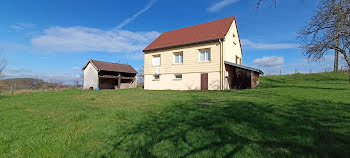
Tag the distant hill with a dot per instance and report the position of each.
(25, 83)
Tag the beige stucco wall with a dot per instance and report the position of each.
(189, 81)
(90, 77)
(190, 69)
(232, 45)
(190, 60)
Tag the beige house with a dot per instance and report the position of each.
(206, 56)
(106, 75)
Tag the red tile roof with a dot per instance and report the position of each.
(194, 34)
(106, 66)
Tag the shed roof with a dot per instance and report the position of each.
(210, 31)
(107, 66)
(244, 67)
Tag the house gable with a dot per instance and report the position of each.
(90, 76)
(232, 45)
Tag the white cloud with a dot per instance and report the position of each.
(221, 4)
(128, 20)
(22, 26)
(272, 61)
(84, 39)
(135, 56)
(75, 68)
(275, 66)
(266, 46)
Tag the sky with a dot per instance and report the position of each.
(53, 40)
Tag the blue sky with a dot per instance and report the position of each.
(53, 40)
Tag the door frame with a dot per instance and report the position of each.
(205, 85)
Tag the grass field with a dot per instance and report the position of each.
(287, 116)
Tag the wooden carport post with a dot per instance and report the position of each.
(119, 80)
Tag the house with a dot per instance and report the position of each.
(105, 75)
(207, 56)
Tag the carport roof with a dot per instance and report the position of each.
(107, 66)
(244, 67)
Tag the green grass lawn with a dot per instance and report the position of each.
(287, 116)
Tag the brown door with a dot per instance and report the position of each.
(204, 81)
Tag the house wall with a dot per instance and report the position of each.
(190, 81)
(90, 77)
(190, 69)
(232, 46)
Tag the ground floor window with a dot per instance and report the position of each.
(178, 76)
(156, 77)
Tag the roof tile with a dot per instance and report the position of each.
(198, 33)
(106, 66)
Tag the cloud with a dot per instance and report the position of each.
(10, 48)
(22, 26)
(135, 56)
(84, 39)
(76, 68)
(255, 45)
(274, 66)
(272, 61)
(128, 20)
(221, 4)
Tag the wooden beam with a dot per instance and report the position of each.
(119, 80)
(116, 77)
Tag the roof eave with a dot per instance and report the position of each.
(244, 67)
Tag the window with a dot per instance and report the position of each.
(156, 60)
(156, 77)
(178, 76)
(204, 55)
(178, 58)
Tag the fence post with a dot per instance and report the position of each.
(11, 91)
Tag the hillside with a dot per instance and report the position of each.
(25, 83)
(303, 115)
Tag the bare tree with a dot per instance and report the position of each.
(328, 29)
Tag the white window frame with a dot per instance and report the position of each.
(180, 58)
(154, 62)
(206, 57)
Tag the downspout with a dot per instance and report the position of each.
(221, 67)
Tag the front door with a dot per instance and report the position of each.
(204, 81)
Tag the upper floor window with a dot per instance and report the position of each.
(178, 58)
(156, 60)
(204, 55)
